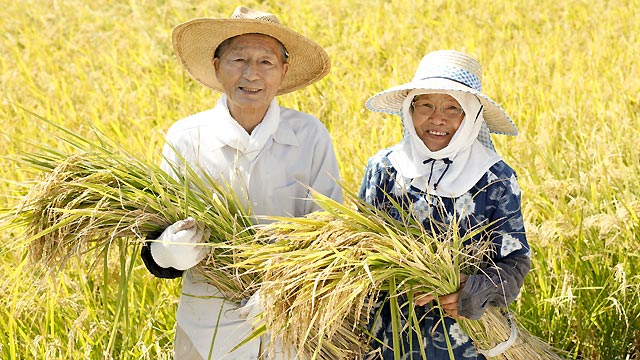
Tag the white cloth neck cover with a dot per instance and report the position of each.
(231, 133)
(247, 146)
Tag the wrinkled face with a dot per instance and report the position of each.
(250, 69)
(436, 118)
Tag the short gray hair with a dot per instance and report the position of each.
(223, 46)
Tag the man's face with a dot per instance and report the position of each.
(250, 70)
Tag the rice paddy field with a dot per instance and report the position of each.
(567, 71)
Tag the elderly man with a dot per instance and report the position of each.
(268, 154)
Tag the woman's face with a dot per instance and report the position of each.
(436, 118)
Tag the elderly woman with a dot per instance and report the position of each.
(444, 167)
(268, 154)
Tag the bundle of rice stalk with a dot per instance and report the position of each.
(498, 335)
(321, 274)
(97, 193)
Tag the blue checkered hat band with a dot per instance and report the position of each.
(459, 75)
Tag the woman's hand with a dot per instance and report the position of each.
(423, 299)
(449, 303)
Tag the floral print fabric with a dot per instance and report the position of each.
(495, 200)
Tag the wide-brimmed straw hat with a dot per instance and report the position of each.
(446, 70)
(195, 42)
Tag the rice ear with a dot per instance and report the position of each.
(321, 274)
(97, 193)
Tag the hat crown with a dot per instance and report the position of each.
(242, 12)
(452, 65)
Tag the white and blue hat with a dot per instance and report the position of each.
(446, 70)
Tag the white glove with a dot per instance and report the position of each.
(252, 308)
(179, 246)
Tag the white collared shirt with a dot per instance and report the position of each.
(269, 168)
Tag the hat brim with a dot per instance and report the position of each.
(390, 101)
(195, 41)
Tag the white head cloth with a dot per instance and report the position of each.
(468, 158)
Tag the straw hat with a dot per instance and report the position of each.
(446, 70)
(195, 42)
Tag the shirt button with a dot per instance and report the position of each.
(255, 203)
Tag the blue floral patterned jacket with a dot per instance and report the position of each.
(494, 200)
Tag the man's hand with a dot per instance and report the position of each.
(179, 246)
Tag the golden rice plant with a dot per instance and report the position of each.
(321, 274)
(498, 332)
(95, 193)
(316, 274)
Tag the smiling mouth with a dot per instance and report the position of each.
(437, 133)
(250, 90)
